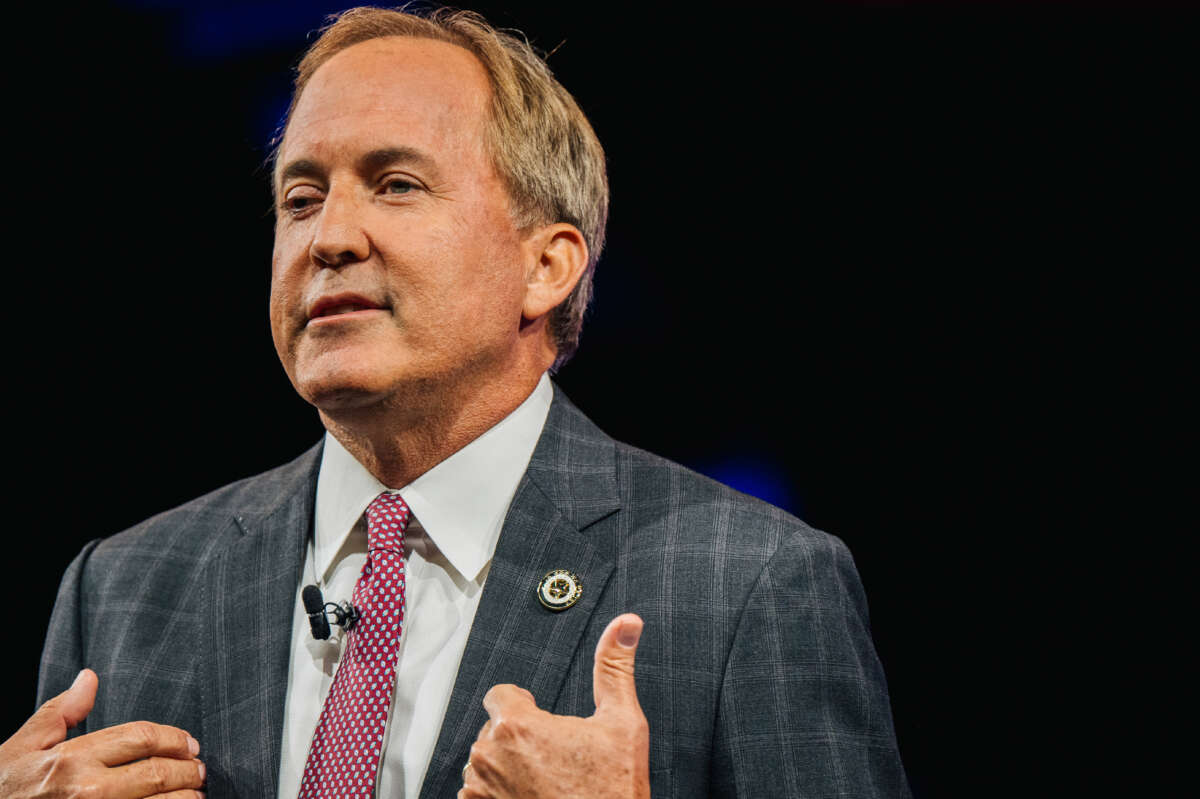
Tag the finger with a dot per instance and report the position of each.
(189, 794)
(504, 700)
(49, 725)
(467, 773)
(472, 786)
(612, 672)
(135, 740)
(152, 776)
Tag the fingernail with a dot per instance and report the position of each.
(193, 746)
(629, 634)
(78, 677)
(202, 771)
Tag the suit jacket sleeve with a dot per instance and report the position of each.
(804, 708)
(62, 655)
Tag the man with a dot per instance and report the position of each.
(440, 208)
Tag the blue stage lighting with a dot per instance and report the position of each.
(753, 475)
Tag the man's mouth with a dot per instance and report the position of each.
(341, 305)
(334, 310)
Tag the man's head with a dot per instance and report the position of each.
(540, 143)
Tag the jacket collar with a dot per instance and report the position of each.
(569, 488)
(250, 586)
(568, 491)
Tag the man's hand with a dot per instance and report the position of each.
(526, 752)
(38, 761)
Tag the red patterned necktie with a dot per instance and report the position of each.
(344, 757)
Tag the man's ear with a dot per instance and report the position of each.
(558, 256)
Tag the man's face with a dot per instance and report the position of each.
(397, 265)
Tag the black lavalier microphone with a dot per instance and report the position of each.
(318, 610)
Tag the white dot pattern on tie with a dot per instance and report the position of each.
(343, 759)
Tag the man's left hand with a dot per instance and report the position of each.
(524, 751)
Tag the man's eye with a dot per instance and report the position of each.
(299, 203)
(399, 186)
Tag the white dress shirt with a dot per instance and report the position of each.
(458, 508)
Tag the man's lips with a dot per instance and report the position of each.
(341, 306)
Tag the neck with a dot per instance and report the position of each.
(401, 437)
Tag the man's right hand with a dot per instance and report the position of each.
(131, 761)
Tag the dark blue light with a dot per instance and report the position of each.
(219, 30)
(756, 476)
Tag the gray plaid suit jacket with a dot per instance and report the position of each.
(756, 669)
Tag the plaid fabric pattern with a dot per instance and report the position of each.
(756, 668)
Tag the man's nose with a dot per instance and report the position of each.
(339, 237)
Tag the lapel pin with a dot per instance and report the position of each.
(559, 590)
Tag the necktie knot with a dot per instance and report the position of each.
(387, 519)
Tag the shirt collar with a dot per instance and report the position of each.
(460, 503)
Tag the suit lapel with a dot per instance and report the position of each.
(570, 485)
(252, 586)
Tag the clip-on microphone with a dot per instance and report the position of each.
(344, 615)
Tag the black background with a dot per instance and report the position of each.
(918, 273)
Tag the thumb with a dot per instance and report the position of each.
(612, 672)
(49, 725)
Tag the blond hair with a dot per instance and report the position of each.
(542, 145)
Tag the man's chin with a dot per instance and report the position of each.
(337, 389)
(342, 396)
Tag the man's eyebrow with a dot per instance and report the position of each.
(302, 168)
(373, 161)
(377, 160)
